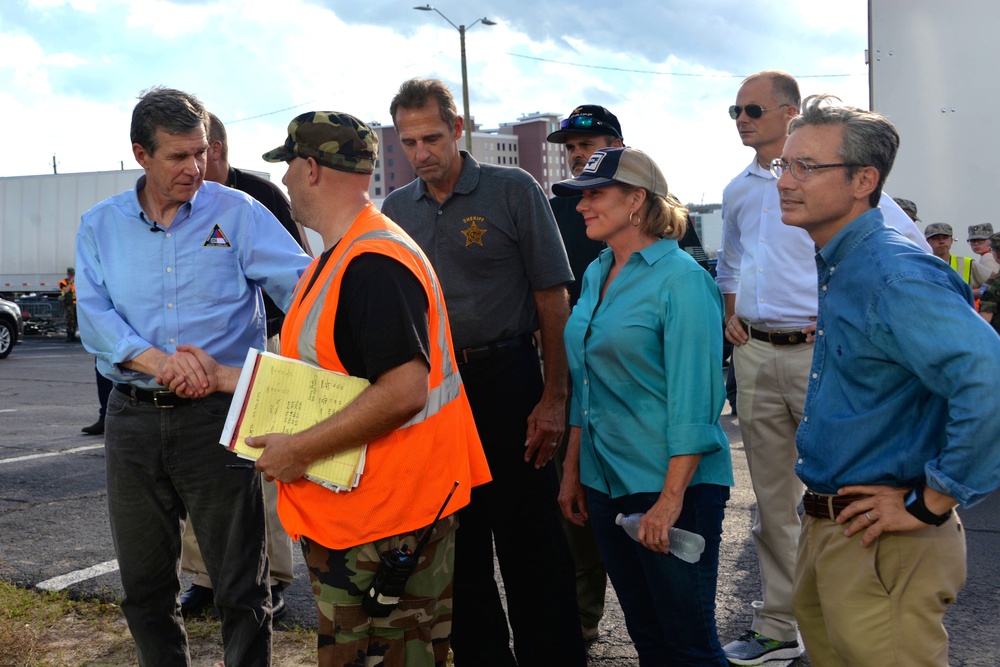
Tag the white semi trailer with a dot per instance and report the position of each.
(933, 73)
(39, 217)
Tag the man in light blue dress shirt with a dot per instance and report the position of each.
(180, 261)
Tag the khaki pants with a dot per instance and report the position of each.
(881, 605)
(772, 385)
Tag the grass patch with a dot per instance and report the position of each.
(43, 629)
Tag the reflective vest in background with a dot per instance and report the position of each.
(963, 266)
(409, 472)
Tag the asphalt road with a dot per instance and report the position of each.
(54, 524)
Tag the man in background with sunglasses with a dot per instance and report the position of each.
(767, 273)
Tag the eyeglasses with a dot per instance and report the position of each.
(751, 110)
(800, 170)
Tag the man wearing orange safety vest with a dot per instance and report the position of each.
(370, 306)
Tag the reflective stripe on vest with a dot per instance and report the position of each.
(965, 270)
(437, 397)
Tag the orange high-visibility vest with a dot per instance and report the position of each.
(408, 472)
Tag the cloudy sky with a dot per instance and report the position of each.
(70, 69)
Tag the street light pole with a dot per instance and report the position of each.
(467, 125)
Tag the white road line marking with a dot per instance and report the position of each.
(9, 410)
(67, 580)
(30, 457)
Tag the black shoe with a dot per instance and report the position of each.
(97, 428)
(196, 599)
(277, 602)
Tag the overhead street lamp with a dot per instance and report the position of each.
(465, 75)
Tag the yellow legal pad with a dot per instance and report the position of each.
(276, 394)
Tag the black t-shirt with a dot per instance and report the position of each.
(274, 200)
(381, 320)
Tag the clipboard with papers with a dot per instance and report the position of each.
(276, 394)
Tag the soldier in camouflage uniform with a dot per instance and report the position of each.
(989, 294)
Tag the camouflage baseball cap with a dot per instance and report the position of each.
(909, 208)
(938, 228)
(335, 140)
(978, 232)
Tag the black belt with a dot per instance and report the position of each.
(823, 506)
(774, 337)
(494, 349)
(160, 398)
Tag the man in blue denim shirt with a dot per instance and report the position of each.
(896, 430)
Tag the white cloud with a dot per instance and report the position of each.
(269, 61)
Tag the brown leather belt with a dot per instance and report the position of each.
(825, 506)
(774, 337)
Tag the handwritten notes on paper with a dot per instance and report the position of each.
(280, 395)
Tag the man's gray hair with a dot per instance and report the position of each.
(173, 111)
(869, 139)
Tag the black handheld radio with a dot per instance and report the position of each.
(394, 569)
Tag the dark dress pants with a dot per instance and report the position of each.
(164, 464)
(518, 513)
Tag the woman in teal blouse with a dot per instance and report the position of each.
(645, 352)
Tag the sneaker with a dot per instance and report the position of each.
(754, 648)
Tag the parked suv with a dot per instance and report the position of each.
(11, 327)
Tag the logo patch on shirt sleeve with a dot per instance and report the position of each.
(217, 239)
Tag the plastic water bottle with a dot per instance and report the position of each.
(684, 544)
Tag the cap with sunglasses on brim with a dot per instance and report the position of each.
(609, 166)
(587, 119)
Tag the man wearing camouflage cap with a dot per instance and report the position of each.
(370, 306)
(941, 237)
(909, 208)
(979, 241)
(180, 261)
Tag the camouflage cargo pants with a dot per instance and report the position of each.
(415, 634)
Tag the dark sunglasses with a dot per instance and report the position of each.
(583, 122)
(751, 110)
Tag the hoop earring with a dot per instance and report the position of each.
(638, 220)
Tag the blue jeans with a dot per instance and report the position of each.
(163, 465)
(669, 604)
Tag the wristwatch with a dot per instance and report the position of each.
(914, 504)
